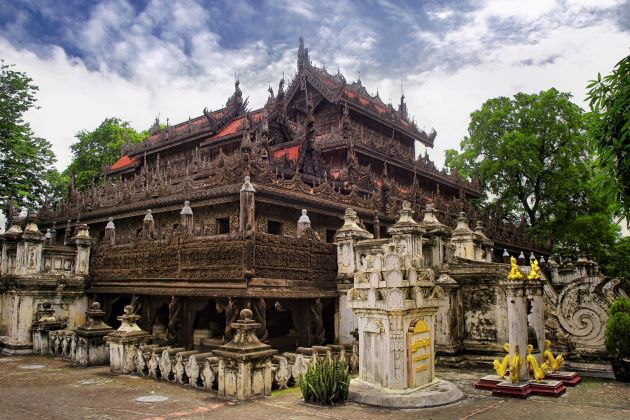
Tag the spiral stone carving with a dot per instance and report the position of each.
(583, 312)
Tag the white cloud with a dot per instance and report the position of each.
(170, 59)
(445, 100)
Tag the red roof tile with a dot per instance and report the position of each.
(233, 126)
(124, 161)
(290, 152)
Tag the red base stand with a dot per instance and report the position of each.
(567, 378)
(504, 388)
(489, 382)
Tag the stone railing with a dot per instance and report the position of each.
(200, 370)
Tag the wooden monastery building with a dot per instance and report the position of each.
(206, 217)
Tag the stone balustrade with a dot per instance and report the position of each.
(200, 370)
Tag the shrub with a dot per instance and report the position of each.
(617, 339)
(325, 382)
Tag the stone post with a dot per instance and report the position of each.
(91, 346)
(83, 242)
(124, 342)
(438, 233)
(67, 233)
(186, 217)
(244, 363)
(449, 322)
(517, 321)
(110, 232)
(11, 264)
(463, 238)
(303, 224)
(484, 247)
(45, 323)
(346, 238)
(30, 247)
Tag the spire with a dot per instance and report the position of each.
(302, 55)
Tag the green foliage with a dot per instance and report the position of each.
(610, 111)
(98, 148)
(534, 158)
(617, 340)
(617, 262)
(326, 382)
(529, 152)
(27, 175)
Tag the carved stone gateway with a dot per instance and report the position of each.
(245, 363)
(395, 302)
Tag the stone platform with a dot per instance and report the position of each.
(434, 394)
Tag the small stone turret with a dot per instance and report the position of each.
(124, 342)
(463, 238)
(148, 225)
(45, 323)
(303, 224)
(186, 217)
(91, 346)
(110, 232)
(438, 235)
(83, 241)
(245, 362)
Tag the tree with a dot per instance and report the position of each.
(533, 157)
(26, 161)
(610, 107)
(617, 263)
(98, 148)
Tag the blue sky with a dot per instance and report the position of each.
(137, 59)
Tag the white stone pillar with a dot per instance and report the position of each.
(537, 315)
(517, 322)
(83, 242)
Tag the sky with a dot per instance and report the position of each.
(136, 60)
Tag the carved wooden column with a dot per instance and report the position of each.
(247, 226)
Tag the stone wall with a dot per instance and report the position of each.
(34, 272)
